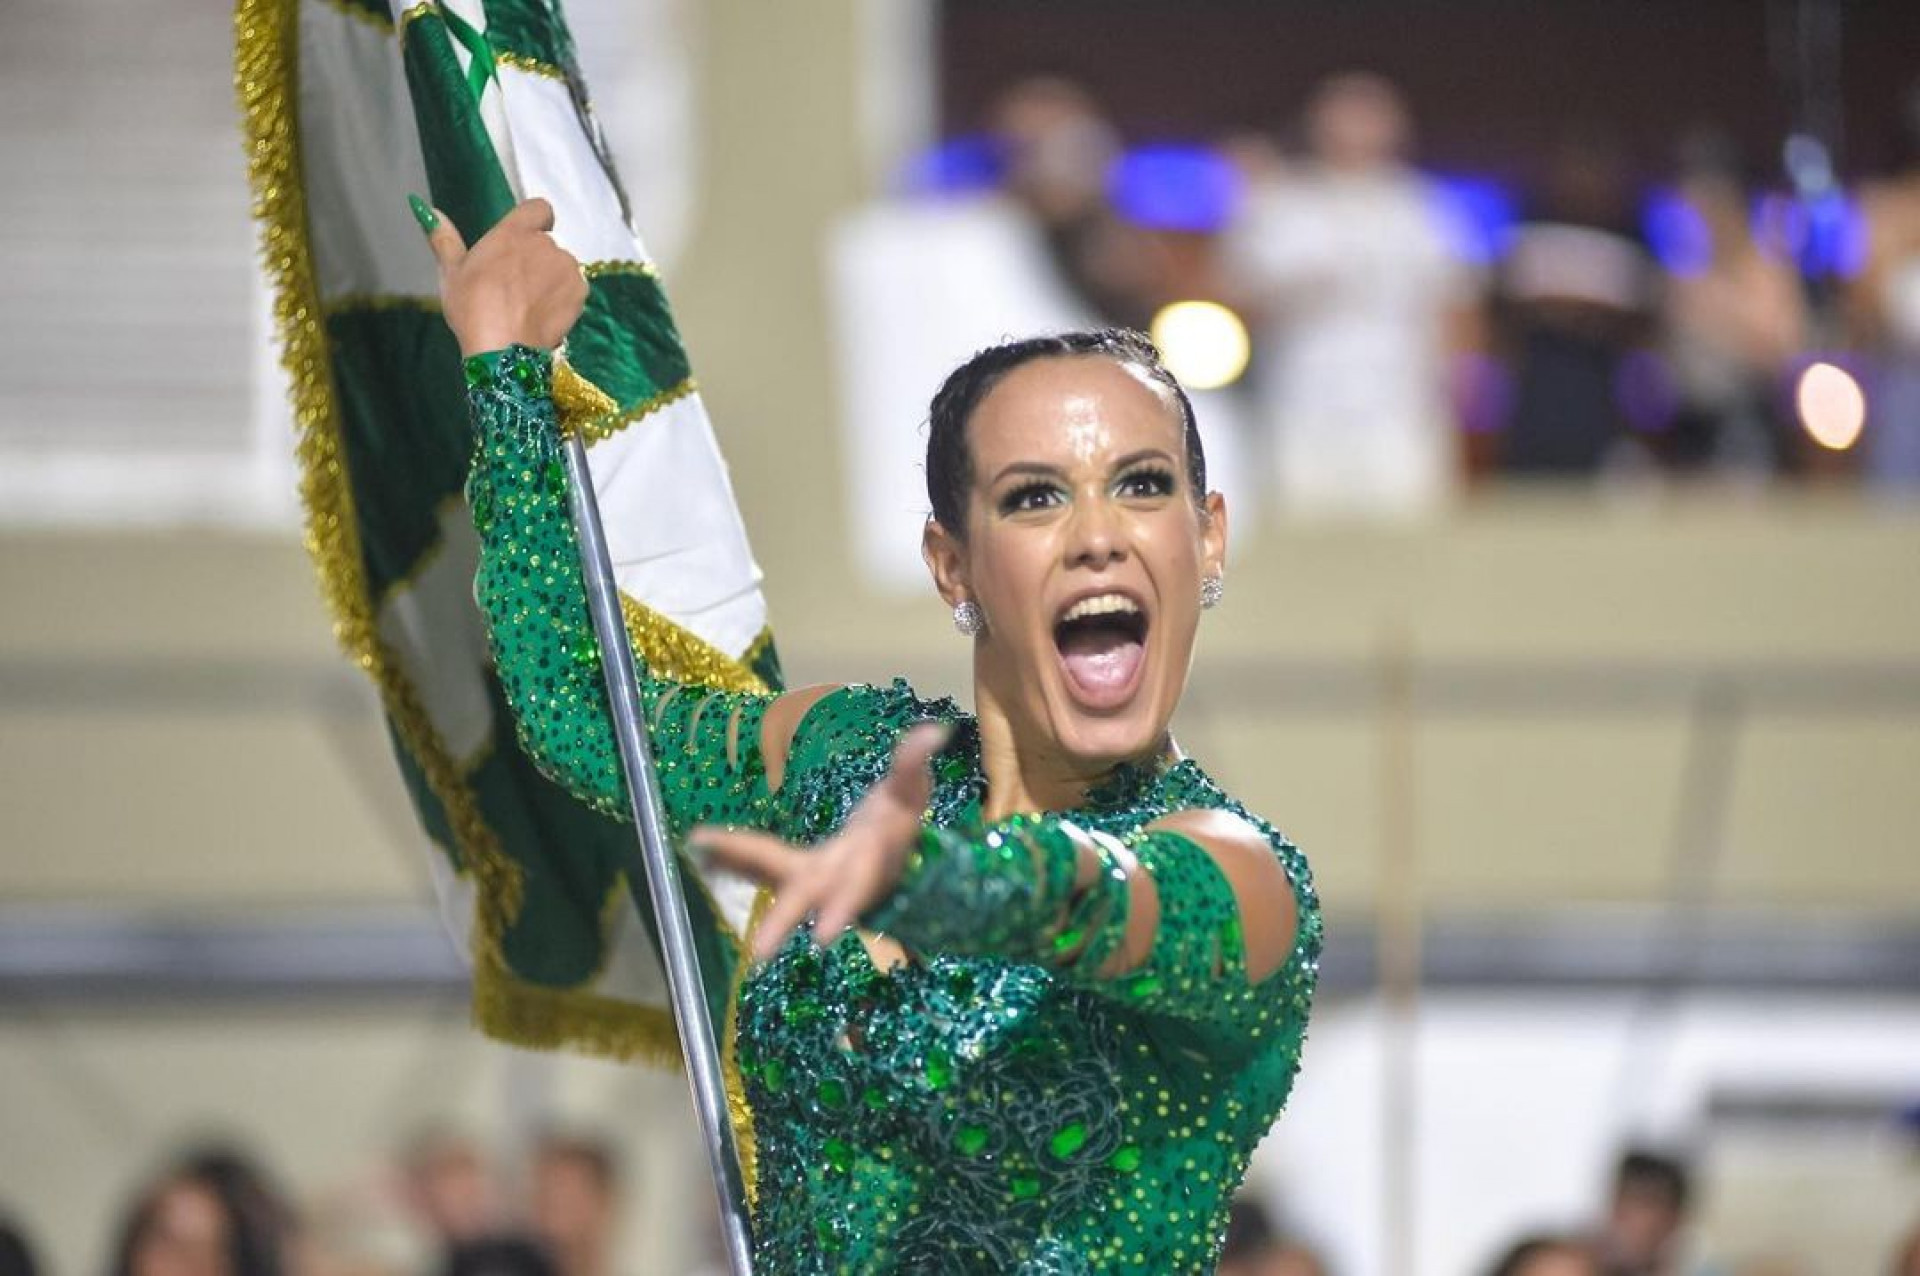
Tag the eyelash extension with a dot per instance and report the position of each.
(1161, 478)
(1013, 502)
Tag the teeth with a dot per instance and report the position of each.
(1101, 605)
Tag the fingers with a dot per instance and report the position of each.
(443, 237)
(764, 858)
(767, 860)
(449, 250)
(531, 214)
(834, 915)
(917, 747)
(909, 779)
(783, 917)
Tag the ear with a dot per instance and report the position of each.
(1213, 536)
(946, 559)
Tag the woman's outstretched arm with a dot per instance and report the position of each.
(1190, 919)
(1186, 918)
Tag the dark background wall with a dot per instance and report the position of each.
(1492, 82)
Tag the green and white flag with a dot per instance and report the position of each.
(349, 105)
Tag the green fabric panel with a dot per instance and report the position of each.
(462, 171)
(531, 28)
(433, 816)
(567, 856)
(766, 664)
(626, 342)
(404, 430)
(570, 857)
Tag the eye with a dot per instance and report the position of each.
(1028, 497)
(1146, 483)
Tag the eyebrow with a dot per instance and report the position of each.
(1042, 469)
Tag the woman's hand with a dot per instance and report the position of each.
(849, 873)
(516, 286)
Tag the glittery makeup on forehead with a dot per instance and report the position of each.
(1088, 433)
(1093, 424)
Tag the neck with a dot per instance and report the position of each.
(1025, 775)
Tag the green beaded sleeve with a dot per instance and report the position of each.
(1012, 891)
(529, 586)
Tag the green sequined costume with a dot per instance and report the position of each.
(996, 1105)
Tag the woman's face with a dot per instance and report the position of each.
(1085, 548)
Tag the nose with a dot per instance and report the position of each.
(1094, 537)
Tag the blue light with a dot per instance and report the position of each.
(1478, 216)
(1824, 235)
(1836, 236)
(964, 165)
(1676, 232)
(1184, 188)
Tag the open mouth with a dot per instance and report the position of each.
(1103, 643)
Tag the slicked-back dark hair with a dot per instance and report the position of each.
(949, 457)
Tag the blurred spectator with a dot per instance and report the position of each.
(1735, 319)
(499, 1256)
(212, 1213)
(1642, 1232)
(450, 1188)
(576, 1199)
(1906, 1260)
(1060, 149)
(1576, 296)
(16, 1255)
(1253, 1248)
(1345, 266)
(1546, 1256)
(1885, 305)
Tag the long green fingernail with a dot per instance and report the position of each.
(423, 213)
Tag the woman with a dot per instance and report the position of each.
(1055, 982)
(210, 1213)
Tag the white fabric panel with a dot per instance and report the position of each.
(359, 165)
(557, 163)
(673, 530)
(434, 631)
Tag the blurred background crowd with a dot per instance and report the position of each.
(1384, 337)
(1561, 364)
(444, 1207)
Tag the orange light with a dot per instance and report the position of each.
(1204, 343)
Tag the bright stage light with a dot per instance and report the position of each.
(1832, 406)
(1203, 342)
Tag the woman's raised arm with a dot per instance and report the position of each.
(510, 299)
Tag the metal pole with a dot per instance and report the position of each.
(698, 1049)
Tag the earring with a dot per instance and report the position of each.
(968, 618)
(1212, 590)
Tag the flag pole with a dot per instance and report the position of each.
(697, 1043)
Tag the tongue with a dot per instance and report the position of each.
(1101, 663)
